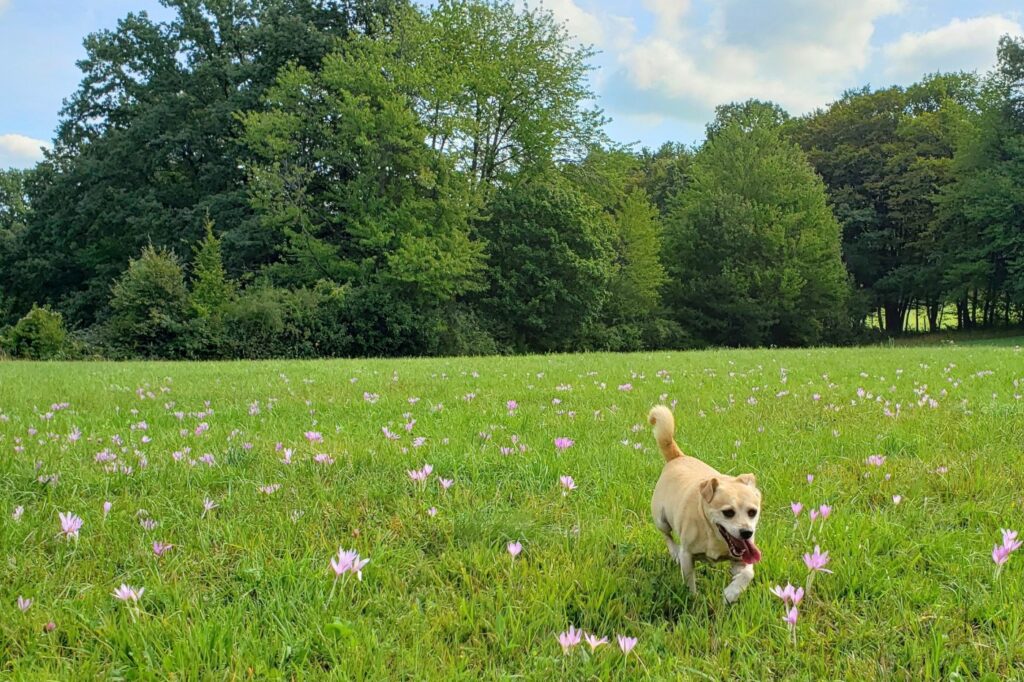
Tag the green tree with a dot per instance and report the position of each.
(148, 144)
(211, 288)
(549, 264)
(501, 88)
(752, 249)
(356, 195)
(149, 308)
(14, 213)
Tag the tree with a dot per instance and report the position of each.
(549, 264)
(39, 335)
(149, 307)
(355, 195)
(752, 249)
(982, 207)
(211, 288)
(14, 212)
(502, 89)
(149, 143)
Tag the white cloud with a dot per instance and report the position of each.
(799, 53)
(583, 25)
(959, 45)
(20, 151)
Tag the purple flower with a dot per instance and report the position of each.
(50, 627)
(810, 478)
(24, 604)
(876, 460)
(626, 387)
(323, 458)
(1010, 539)
(568, 484)
(126, 593)
(106, 508)
(791, 617)
(797, 507)
(563, 443)
(148, 524)
(446, 483)
(512, 406)
(569, 639)
(269, 489)
(825, 511)
(514, 548)
(594, 641)
(70, 524)
(314, 436)
(161, 548)
(16, 514)
(626, 643)
(813, 514)
(789, 594)
(208, 505)
(896, 499)
(348, 561)
(1000, 554)
(817, 561)
(432, 512)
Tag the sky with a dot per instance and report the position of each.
(662, 65)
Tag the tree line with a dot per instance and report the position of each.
(305, 178)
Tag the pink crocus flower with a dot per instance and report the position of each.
(594, 641)
(825, 511)
(791, 617)
(432, 512)
(514, 548)
(789, 594)
(813, 514)
(563, 443)
(127, 593)
(148, 524)
(348, 561)
(323, 458)
(16, 514)
(24, 604)
(569, 639)
(817, 561)
(208, 505)
(161, 548)
(50, 626)
(512, 406)
(797, 507)
(107, 506)
(314, 436)
(1000, 554)
(269, 489)
(445, 483)
(568, 484)
(1010, 539)
(876, 460)
(70, 524)
(626, 643)
(810, 478)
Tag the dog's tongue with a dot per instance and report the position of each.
(751, 554)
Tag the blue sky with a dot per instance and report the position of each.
(663, 64)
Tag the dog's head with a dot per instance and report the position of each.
(733, 505)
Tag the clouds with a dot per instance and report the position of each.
(799, 53)
(20, 151)
(959, 45)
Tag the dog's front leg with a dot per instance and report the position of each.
(742, 574)
(686, 568)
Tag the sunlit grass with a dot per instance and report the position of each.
(248, 588)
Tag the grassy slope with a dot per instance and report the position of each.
(247, 589)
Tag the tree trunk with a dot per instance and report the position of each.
(893, 318)
(933, 317)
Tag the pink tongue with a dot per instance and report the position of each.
(751, 554)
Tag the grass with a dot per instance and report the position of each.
(247, 590)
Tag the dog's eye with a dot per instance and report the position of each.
(728, 513)
(751, 513)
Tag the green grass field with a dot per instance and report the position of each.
(248, 591)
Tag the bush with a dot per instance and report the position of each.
(39, 335)
(150, 311)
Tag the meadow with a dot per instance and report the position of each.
(258, 473)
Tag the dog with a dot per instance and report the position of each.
(714, 516)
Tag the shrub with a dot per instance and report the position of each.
(39, 335)
(149, 308)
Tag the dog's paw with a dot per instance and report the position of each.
(732, 593)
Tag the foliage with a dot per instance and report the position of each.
(149, 307)
(550, 263)
(211, 288)
(39, 335)
(752, 249)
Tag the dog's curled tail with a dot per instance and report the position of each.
(664, 425)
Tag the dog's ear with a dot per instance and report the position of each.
(747, 479)
(708, 488)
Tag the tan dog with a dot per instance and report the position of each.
(714, 516)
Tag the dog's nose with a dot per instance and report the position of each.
(746, 534)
